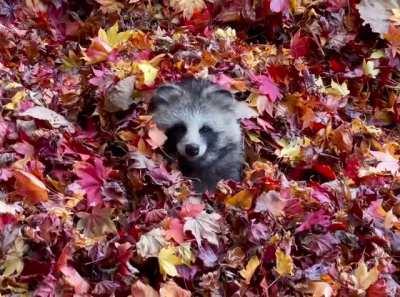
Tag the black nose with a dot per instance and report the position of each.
(192, 150)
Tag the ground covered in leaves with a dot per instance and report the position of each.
(91, 206)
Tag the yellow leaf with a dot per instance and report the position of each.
(377, 54)
(254, 137)
(112, 37)
(338, 90)
(15, 100)
(185, 253)
(167, 260)
(13, 263)
(358, 126)
(251, 267)
(365, 277)
(369, 70)
(149, 73)
(102, 45)
(292, 150)
(243, 200)
(284, 263)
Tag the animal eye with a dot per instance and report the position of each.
(176, 130)
(205, 129)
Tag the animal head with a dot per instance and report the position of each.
(199, 118)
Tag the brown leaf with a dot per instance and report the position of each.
(120, 96)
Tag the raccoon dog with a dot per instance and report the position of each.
(200, 120)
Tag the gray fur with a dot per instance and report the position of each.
(196, 103)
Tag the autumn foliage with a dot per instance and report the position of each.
(90, 205)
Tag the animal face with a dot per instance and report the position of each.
(198, 118)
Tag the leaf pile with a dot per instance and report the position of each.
(91, 206)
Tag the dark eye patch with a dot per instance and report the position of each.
(174, 135)
(205, 129)
(178, 129)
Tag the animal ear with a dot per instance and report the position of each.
(164, 95)
(219, 96)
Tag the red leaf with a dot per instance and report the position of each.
(377, 289)
(91, 179)
(325, 170)
(300, 46)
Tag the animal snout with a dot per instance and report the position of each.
(192, 150)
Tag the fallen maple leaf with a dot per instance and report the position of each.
(271, 202)
(156, 137)
(365, 277)
(74, 279)
(42, 113)
(369, 69)
(12, 264)
(150, 244)
(171, 289)
(267, 87)
(377, 14)
(174, 230)
(168, 259)
(139, 289)
(34, 189)
(279, 5)
(320, 289)
(102, 45)
(187, 7)
(242, 199)
(247, 273)
(204, 226)
(110, 6)
(387, 162)
(284, 263)
(91, 179)
(97, 223)
(120, 96)
(15, 100)
(148, 72)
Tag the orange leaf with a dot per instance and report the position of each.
(34, 189)
(243, 200)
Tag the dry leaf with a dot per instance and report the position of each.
(34, 189)
(139, 289)
(171, 289)
(377, 14)
(242, 199)
(251, 267)
(284, 263)
(42, 113)
(120, 96)
(365, 277)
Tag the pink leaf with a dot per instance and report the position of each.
(279, 5)
(175, 230)
(267, 87)
(91, 179)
